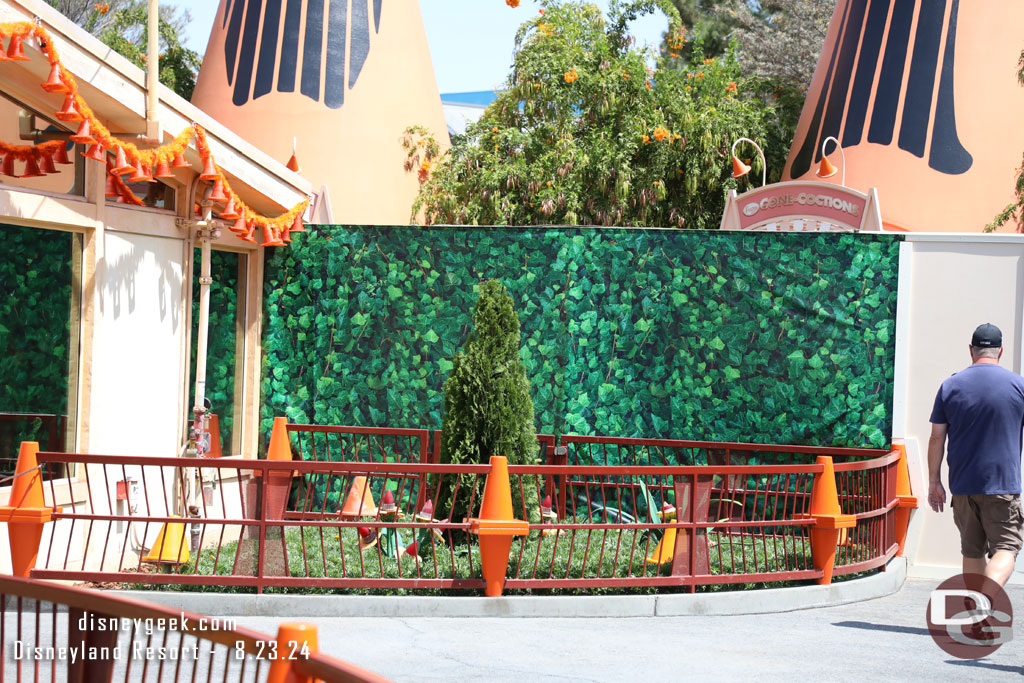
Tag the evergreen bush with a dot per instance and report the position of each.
(487, 405)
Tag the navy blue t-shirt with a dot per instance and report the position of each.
(984, 408)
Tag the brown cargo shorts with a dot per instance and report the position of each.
(988, 523)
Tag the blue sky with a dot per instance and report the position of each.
(470, 40)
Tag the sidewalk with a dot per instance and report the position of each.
(882, 639)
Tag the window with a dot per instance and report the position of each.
(225, 343)
(40, 333)
(68, 179)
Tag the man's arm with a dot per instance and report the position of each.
(936, 451)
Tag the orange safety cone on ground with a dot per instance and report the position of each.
(829, 521)
(26, 511)
(169, 548)
(359, 501)
(496, 526)
(278, 482)
(666, 548)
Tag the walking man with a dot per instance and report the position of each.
(981, 410)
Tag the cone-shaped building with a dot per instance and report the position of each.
(924, 98)
(342, 78)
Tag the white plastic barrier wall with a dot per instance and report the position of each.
(949, 284)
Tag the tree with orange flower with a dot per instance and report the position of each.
(590, 129)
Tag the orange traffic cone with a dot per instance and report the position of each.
(217, 193)
(829, 521)
(229, 213)
(300, 641)
(60, 155)
(666, 548)
(162, 170)
(70, 111)
(496, 526)
(46, 164)
(278, 481)
(55, 83)
(359, 500)
(210, 171)
(3, 53)
(121, 165)
(32, 169)
(239, 227)
(179, 161)
(297, 225)
(271, 238)
(111, 189)
(92, 152)
(26, 511)
(84, 134)
(906, 502)
(141, 173)
(15, 53)
(7, 168)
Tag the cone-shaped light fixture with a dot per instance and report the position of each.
(825, 168)
(740, 169)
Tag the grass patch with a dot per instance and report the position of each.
(328, 552)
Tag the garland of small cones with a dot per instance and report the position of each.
(141, 164)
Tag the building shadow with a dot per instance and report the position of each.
(912, 630)
(982, 664)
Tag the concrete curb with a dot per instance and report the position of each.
(722, 603)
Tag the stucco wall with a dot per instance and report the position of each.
(951, 285)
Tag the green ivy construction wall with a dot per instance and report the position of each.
(726, 336)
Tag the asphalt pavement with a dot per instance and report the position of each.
(881, 639)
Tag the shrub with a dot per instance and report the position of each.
(487, 405)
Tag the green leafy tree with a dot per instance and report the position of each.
(487, 405)
(781, 40)
(591, 130)
(122, 25)
(1014, 209)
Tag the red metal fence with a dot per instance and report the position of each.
(57, 633)
(325, 522)
(48, 430)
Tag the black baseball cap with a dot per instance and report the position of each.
(987, 336)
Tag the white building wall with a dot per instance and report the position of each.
(955, 283)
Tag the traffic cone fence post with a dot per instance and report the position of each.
(294, 641)
(26, 511)
(496, 526)
(829, 522)
(906, 502)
